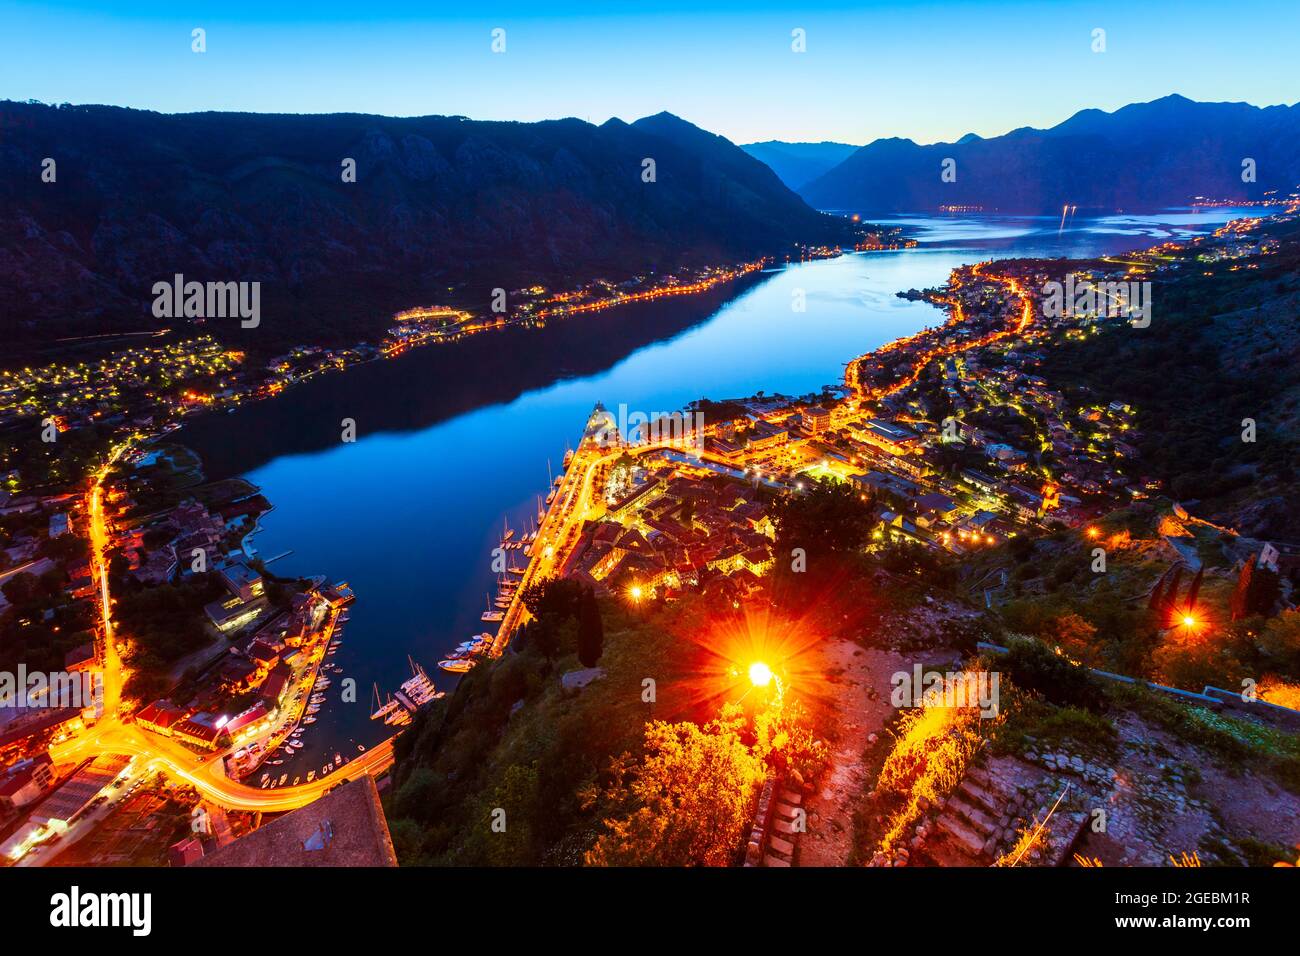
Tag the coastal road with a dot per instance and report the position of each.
(206, 772)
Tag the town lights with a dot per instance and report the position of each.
(1093, 532)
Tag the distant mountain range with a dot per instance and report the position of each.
(442, 208)
(1141, 157)
(800, 163)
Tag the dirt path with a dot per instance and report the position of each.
(829, 839)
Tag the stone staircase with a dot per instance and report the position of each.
(972, 820)
(777, 826)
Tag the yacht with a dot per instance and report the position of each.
(457, 665)
(491, 615)
(382, 709)
(419, 688)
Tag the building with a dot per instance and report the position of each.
(816, 419)
(80, 658)
(765, 435)
(895, 439)
(234, 613)
(75, 796)
(346, 828)
(888, 487)
(247, 721)
(263, 654)
(26, 782)
(276, 686)
(187, 851)
(160, 717)
(198, 731)
(242, 581)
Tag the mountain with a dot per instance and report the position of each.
(799, 163)
(1143, 156)
(442, 209)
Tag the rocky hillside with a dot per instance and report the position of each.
(441, 207)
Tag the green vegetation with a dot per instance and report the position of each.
(1238, 743)
(165, 623)
(1032, 666)
(648, 764)
(1226, 338)
(828, 520)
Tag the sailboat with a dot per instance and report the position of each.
(491, 615)
(382, 709)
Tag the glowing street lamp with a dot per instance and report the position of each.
(760, 675)
(635, 592)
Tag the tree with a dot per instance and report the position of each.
(688, 804)
(553, 598)
(544, 635)
(830, 516)
(591, 630)
(1280, 642)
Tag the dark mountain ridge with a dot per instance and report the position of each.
(442, 209)
(799, 163)
(1144, 156)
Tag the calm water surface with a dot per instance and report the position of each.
(454, 439)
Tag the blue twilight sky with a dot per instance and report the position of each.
(930, 70)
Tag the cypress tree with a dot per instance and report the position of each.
(591, 630)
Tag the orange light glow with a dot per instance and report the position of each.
(760, 675)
